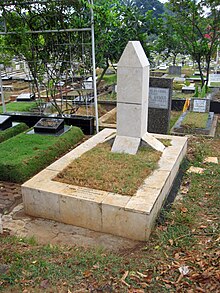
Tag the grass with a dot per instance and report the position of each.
(174, 117)
(195, 120)
(19, 106)
(10, 132)
(188, 236)
(110, 79)
(101, 169)
(215, 84)
(24, 155)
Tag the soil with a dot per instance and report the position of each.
(10, 196)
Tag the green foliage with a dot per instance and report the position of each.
(25, 155)
(198, 33)
(10, 132)
(196, 95)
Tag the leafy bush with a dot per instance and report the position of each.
(25, 155)
(10, 132)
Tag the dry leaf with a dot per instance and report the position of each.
(171, 242)
(44, 284)
(124, 276)
(184, 210)
(87, 274)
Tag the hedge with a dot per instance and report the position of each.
(25, 155)
(12, 131)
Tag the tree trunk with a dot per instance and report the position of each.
(103, 73)
(200, 71)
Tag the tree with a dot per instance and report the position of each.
(197, 29)
(45, 53)
(115, 25)
(169, 42)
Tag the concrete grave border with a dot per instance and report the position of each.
(127, 216)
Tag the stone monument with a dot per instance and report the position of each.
(132, 101)
(159, 106)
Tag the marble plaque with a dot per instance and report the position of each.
(158, 98)
(199, 105)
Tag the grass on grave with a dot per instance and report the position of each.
(101, 169)
(24, 155)
(12, 131)
(195, 120)
(19, 107)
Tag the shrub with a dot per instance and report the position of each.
(10, 132)
(25, 155)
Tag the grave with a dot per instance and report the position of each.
(5, 122)
(25, 97)
(49, 126)
(159, 107)
(123, 215)
(189, 89)
(175, 70)
(200, 106)
(214, 80)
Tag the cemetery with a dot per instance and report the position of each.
(109, 151)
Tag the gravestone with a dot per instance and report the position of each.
(199, 105)
(188, 89)
(25, 97)
(175, 70)
(214, 80)
(132, 101)
(5, 122)
(160, 97)
(49, 126)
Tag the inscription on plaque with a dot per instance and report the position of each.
(158, 98)
(199, 106)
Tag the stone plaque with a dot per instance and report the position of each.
(158, 98)
(199, 106)
(175, 70)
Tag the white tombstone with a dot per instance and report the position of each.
(132, 101)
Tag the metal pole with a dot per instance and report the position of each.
(2, 93)
(94, 68)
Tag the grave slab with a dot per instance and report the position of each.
(126, 216)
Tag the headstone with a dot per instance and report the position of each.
(188, 89)
(49, 125)
(5, 122)
(175, 70)
(25, 97)
(132, 100)
(160, 97)
(200, 105)
(214, 80)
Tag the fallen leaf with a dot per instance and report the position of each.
(87, 274)
(171, 242)
(124, 276)
(136, 291)
(184, 210)
(44, 284)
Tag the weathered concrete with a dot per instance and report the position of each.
(126, 216)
